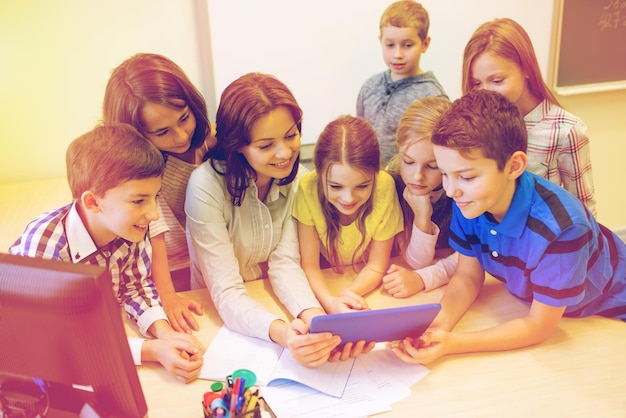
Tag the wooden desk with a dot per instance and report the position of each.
(579, 372)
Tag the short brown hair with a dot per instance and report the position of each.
(406, 14)
(109, 155)
(485, 121)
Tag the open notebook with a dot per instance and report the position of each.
(271, 363)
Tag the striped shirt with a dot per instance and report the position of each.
(548, 248)
(558, 150)
(61, 235)
(172, 216)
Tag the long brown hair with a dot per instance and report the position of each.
(506, 38)
(152, 78)
(243, 102)
(353, 142)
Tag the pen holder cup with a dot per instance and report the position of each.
(253, 413)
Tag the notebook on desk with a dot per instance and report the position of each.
(271, 364)
(378, 325)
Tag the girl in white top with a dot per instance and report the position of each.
(426, 208)
(239, 224)
(153, 94)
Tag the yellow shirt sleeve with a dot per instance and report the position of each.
(383, 223)
(386, 220)
(306, 206)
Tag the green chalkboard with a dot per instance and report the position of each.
(589, 45)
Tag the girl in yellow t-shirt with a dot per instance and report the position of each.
(347, 211)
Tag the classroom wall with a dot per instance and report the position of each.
(325, 49)
(56, 58)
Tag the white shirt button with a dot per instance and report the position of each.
(492, 232)
(266, 226)
(494, 253)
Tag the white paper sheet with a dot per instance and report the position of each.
(270, 363)
(378, 380)
(358, 388)
(295, 400)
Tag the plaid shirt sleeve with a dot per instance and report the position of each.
(129, 265)
(44, 237)
(559, 150)
(574, 162)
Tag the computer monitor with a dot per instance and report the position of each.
(62, 342)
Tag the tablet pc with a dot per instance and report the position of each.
(378, 324)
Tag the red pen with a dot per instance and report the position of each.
(240, 396)
(235, 395)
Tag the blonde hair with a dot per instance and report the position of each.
(416, 124)
(419, 120)
(406, 14)
(506, 38)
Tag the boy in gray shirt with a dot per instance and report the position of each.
(384, 97)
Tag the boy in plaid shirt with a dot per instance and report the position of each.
(115, 175)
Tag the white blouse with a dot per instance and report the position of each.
(230, 244)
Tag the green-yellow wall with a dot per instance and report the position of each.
(605, 114)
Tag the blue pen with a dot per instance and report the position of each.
(240, 395)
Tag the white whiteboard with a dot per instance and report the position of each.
(325, 49)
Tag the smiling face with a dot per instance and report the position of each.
(124, 211)
(347, 189)
(170, 129)
(418, 168)
(475, 183)
(495, 73)
(402, 50)
(274, 145)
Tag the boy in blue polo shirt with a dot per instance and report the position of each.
(534, 236)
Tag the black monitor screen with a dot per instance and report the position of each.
(61, 332)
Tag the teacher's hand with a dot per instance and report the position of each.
(310, 350)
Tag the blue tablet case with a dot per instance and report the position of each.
(378, 325)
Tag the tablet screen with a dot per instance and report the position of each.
(378, 325)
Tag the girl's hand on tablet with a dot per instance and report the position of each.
(349, 301)
(350, 350)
